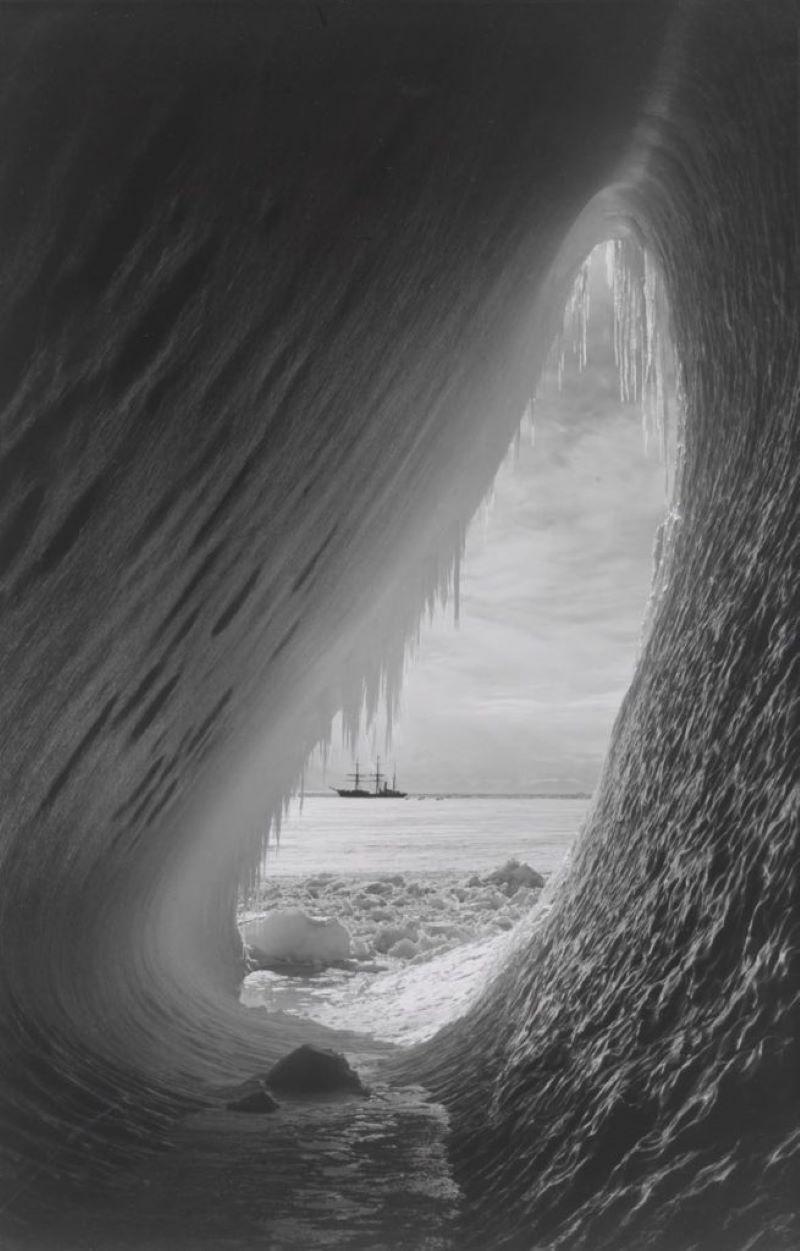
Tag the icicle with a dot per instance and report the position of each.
(457, 584)
(485, 511)
(642, 347)
(529, 421)
(574, 336)
(457, 559)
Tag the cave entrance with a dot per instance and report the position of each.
(385, 915)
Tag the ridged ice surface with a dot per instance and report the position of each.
(278, 283)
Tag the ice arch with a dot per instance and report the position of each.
(265, 274)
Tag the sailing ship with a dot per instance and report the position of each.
(382, 789)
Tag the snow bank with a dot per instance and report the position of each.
(292, 937)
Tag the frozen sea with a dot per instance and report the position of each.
(423, 834)
(411, 881)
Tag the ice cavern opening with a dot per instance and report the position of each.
(388, 916)
(265, 271)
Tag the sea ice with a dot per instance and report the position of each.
(407, 975)
(405, 918)
(292, 937)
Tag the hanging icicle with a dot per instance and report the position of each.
(647, 371)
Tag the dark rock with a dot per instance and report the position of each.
(258, 1100)
(310, 1070)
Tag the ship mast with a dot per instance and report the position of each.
(356, 776)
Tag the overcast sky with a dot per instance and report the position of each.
(521, 697)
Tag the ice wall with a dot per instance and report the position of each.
(642, 1087)
(276, 291)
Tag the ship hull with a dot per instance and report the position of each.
(370, 794)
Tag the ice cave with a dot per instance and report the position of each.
(277, 283)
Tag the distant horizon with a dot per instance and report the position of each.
(427, 794)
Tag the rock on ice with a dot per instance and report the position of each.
(310, 1070)
(292, 937)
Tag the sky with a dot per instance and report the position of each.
(522, 695)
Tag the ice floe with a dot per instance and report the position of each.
(291, 936)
